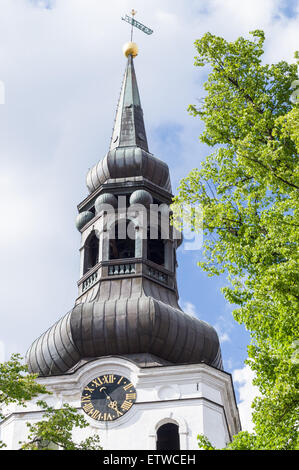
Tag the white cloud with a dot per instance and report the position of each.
(224, 322)
(189, 308)
(224, 326)
(247, 14)
(247, 392)
(228, 363)
(224, 337)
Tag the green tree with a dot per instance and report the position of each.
(248, 190)
(55, 429)
(16, 385)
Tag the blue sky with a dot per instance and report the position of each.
(61, 66)
(289, 8)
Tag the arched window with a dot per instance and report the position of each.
(168, 437)
(122, 243)
(91, 252)
(155, 247)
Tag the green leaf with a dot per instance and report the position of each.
(248, 191)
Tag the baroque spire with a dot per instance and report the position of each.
(129, 129)
(128, 156)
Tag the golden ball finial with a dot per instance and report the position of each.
(130, 48)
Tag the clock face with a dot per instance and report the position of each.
(108, 397)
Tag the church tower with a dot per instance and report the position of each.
(145, 374)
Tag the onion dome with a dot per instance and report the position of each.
(124, 326)
(104, 200)
(141, 196)
(128, 164)
(83, 218)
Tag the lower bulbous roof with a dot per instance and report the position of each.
(120, 327)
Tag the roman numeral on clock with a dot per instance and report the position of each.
(85, 398)
(108, 379)
(97, 382)
(88, 408)
(131, 396)
(128, 386)
(126, 405)
(96, 414)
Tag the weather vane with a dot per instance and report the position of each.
(133, 22)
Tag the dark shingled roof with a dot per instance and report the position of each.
(131, 324)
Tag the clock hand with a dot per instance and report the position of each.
(112, 404)
(103, 389)
(109, 398)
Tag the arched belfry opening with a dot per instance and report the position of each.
(155, 247)
(122, 240)
(91, 252)
(168, 437)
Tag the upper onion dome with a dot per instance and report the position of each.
(129, 158)
(127, 164)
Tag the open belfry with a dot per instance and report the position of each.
(144, 374)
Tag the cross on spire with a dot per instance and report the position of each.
(133, 13)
